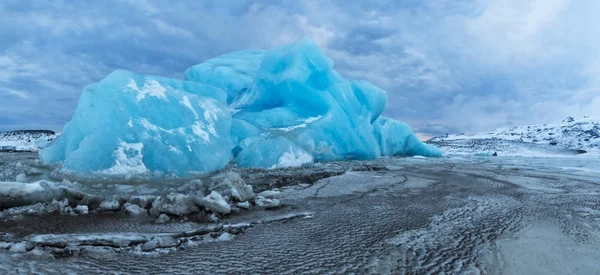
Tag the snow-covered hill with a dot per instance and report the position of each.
(25, 140)
(572, 136)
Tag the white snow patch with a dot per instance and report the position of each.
(185, 101)
(149, 126)
(129, 159)
(312, 119)
(293, 159)
(197, 128)
(302, 125)
(151, 88)
(211, 111)
(174, 149)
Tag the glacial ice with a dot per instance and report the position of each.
(396, 138)
(232, 72)
(134, 123)
(268, 109)
(271, 153)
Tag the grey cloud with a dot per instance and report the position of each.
(448, 66)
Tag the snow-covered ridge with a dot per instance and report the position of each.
(581, 135)
(571, 133)
(25, 140)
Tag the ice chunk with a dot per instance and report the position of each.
(162, 218)
(14, 194)
(267, 203)
(174, 204)
(396, 139)
(142, 201)
(21, 247)
(233, 185)
(133, 123)
(215, 203)
(134, 209)
(110, 205)
(225, 237)
(245, 205)
(81, 209)
(21, 178)
(19, 189)
(194, 186)
(159, 242)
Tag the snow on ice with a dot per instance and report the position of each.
(268, 109)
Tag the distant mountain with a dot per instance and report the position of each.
(572, 136)
(25, 140)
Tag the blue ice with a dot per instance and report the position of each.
(129, 123)
(267, 109)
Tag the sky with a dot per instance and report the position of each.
(448, 66)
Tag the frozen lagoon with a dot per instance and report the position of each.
(488, 215)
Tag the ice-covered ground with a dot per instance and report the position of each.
(26, 140)
(490, 215)
(509, 148)
(571, 137)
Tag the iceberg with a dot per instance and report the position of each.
(266, 109)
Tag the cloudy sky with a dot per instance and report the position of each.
(447, 65)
